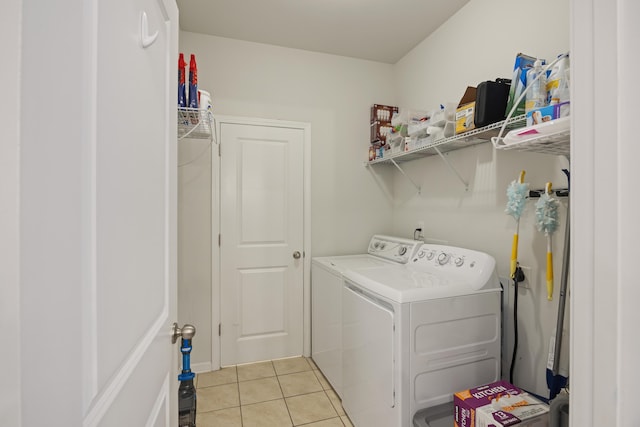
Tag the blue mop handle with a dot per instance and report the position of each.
(185, 349)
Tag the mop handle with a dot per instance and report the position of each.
(549, 270)
(514, 253)
(514, 244)
(561, 302)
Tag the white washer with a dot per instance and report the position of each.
(413, 335)
(326, 297)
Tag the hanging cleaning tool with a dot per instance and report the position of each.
(547, 222)
(186, 390)
(557, 364)
(516, 199)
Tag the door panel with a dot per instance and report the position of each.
(263, 206)
(261, 228)
(131, 218)
(262, 297)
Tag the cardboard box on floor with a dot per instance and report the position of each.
(465, 111)
(499, 404)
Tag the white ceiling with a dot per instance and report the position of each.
(378, 30)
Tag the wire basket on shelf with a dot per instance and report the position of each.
(194, 123)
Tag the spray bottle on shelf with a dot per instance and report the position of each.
(193, 82)
(182, 95)
(536, 87)
(558, 82)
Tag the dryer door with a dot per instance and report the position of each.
(368, 342)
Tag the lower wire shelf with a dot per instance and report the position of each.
(194, 123)
(547, 138)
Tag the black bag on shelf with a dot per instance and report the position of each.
(491, 102)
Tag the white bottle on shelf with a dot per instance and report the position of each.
(536, 89)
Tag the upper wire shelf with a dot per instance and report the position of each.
(456, 142)
(194, 123)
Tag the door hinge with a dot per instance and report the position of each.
(219, 329)
(219, 240)
(219, 150)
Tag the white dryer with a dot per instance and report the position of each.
(326, 297)
(413, 335)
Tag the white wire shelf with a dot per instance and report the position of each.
(194, 123)
(555, 143)
(456, 142)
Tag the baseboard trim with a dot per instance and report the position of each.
(199, 368)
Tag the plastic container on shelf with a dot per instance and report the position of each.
(204, 100)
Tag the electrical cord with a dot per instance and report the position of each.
(502, 328)
(518, 276)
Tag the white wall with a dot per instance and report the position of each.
(194, 244)
(332, 93)
(51, 211)
(480, 43)
(10, 391)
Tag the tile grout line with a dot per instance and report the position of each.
(286, 405)
(239, 397)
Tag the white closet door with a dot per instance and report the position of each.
(98, 214)
(261, 242)
(132, 294)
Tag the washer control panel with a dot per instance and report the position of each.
(450, 258)
(459, 265)
(393, 248)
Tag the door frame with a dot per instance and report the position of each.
(215, 228)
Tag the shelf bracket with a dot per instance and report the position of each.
(444, 159)
(407, 176)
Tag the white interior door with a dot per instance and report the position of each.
(133, 241)
(98, 215)
(261, 254)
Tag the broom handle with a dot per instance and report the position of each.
(562, 300)
(549, 269)
(514, 251)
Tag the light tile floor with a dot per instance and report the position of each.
(278, 393)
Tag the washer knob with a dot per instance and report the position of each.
(443, 258)
(459, 261)
(421, 254)
(382, 245)
(376, 245)
(402, 250)
(430, 255)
